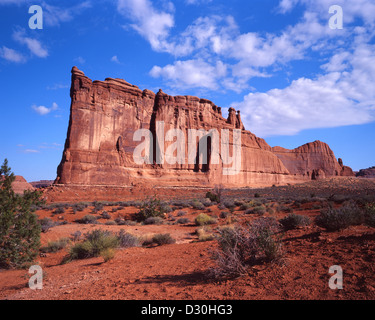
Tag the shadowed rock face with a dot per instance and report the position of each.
(367, 173)
(105, 115)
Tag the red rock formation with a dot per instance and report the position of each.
(105, 115)
(20, 185)
(313, 160)
(367, 173)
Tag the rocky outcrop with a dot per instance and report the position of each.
(367, 173)
(100, 144)
(20, 185)
(42, 184)
(313, 160)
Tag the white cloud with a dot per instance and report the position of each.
(115, 59)
(34, 45)
(54, 15)
(150, 23)
(218, 56)
(191, 74)
(12, 55)
(31, 151)
(343, 96)
(42, 110)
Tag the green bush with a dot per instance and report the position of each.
(256, 210)
(96, 242)
(55, 246)
(154, 220)
(19, 226)
(341, 218)
(163, 239)
(59, 210)
(151, 208)
(88, 219)
(183, 221)
(108, 254)
(204, 236)
(293, 221)
(213, 197)
(197, 205)
(46, 224)
(204, 219)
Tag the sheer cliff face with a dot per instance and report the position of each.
(100, 142)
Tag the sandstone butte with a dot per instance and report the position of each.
(105, 114)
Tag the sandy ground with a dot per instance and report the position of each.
(180, 271)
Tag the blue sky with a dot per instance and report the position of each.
(294, 78)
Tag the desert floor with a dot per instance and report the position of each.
(180, 271)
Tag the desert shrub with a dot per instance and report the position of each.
(96, 242)
(207, 202)
(204, 219)
(256, 210)
(81, 250)
(110, 223)
(127, 240)
(98, 206)
(339, 199)
(46, 224)
(108, 254)
(181, 203)
(245, 206)
(197, 205)
(204, 236)
(166, 208)
(130, 223)
(213, 197)
(153, 220)
(267, 242)
(257, 195)
(59, 210)
(19, 226)
(163, 239)
(106, 215)
(229, 204)
(239, 247)
(221, 206)
(285, 209)
(233, 253)
(293, 221)
(150, 208)
(55, 246)
(224, 214)
(183, 221)
(370, 215)
(340, 218)
(181, 213)
(120, 221)
(88, 219)
(76, 236)
(79, 206)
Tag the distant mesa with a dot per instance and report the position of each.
(42, 184)
(104, 115)
(367, 173)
